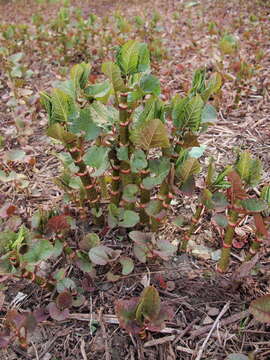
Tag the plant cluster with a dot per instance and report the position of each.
(126, 155)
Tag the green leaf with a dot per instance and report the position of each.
(89, 241)
(260, 308)
(15, 58)
(62, 106)
(150, 84)
(255, 172)
(228, 44)
(219, 200)
(209, 114)
(130, 219)
(179, 221)
(153, 109)
(213, 85)
(98, 91)
(178, 110)
(153, 208)
(152, 134)
(67, 87)
(159, 169)
(254, 205)
(187, 113)
(140, 252)
(129, 192)
(197, 151)
(122, 153)
(220, 183)
(243, 165)
(104, 116)
(265, 195)
(188, 168)
(134, 96)
(57, 132)
(166, 247)
(85, 124)
(114, 74)
(40, 250)
(99, 255)
(79, 74)
(138, 161)
(249, 169)
(149, 304)
(46, 102)
(221, 220)
(97, 157)
(128, 56)
(16, 72)
(144, 58)
(198, 82)
(127, 265)
(15, 155)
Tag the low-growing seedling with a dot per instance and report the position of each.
(143, 313)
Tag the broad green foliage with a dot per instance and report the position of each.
(111, 124)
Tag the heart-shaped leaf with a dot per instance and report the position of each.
(97, 157)
(152, 134)
(127, 265)
(130, 219)
(254, 205)
(40, 250)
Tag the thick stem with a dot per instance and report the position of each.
(125, 171)
(195, 219)
(227, 242)
(145, 198)
(89, 185)
(115, 187)
(164, 198)
(255, 246)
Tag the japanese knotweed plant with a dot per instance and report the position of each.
(124, 146)
(245, 174)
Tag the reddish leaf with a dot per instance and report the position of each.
(58, 223)
(260, 226)
(64, 300)
(41, 314)
(166, 314)
(161, 282)
(57, 314)
(236, 189)
(30, 322)
(244, 270)
(88, 283)
(126, 314)
(14, 319)
(260, 308)
(7, 210)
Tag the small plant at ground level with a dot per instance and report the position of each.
(143, 313)
(18, 325)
